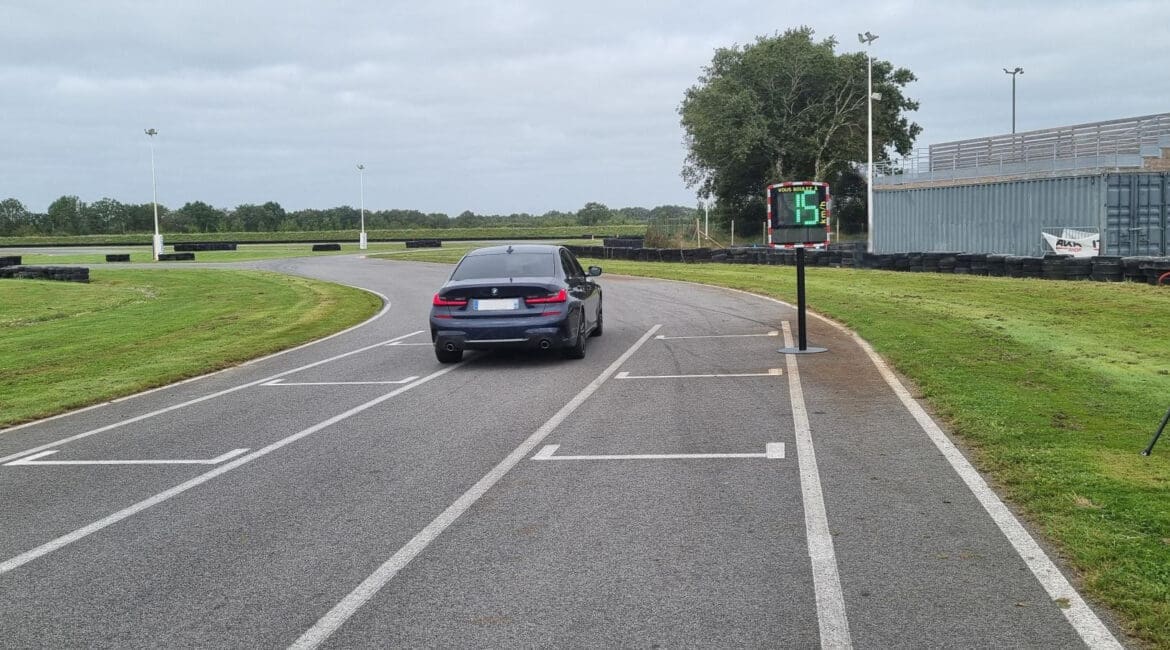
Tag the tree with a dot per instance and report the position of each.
(106, 216)
(198, 216)
(592, 214)
(64, 216)
(786, 108)
(14, 217)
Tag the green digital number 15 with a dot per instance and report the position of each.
(807, 215)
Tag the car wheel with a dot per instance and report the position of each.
(577, 350)
(448, 356)
(597, 330)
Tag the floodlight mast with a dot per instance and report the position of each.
(867, 39)
(362, 180)
(1013, 73)
(156, 243)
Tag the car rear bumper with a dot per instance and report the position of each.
(465, 335)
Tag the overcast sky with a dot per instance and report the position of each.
(495, 107)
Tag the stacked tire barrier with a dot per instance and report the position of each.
(62, 273)
(10, 260)
(624, 242)
(118, 257)
(176, 257)
(326, 247)
(1145, 270)
(424, 243)
(204, 246)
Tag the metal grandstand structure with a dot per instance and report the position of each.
(1097, 147)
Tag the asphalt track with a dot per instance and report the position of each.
(684, 485)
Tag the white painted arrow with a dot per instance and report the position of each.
(771, 450)
(772, 372)
(281, 382)
(661, 337)
(35, 460)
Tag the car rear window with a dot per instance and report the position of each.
(505, 265)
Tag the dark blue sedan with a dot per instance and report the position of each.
(521, 296)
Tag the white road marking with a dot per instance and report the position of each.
(174, 407)
(342, 611)
(714, 336)
(1083, 619)
(281, 382)
(385, 308)
(35, 460)
(397, 344)
(1078, 613)
(772, 450)
(831, 617)
(772, 372)
(81, 533)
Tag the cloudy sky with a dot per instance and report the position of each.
(498, 106)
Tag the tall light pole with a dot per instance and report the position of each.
(1013, 73)
(362, 180)
(707, 217)
(868, 40)
(157, 242)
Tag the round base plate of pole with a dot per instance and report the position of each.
(808, 350)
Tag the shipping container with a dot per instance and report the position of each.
(1129, 210)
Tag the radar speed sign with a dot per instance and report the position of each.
(798, 214)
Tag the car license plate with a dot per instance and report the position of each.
(503, 304)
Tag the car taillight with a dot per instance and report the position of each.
(560, 296)
(440, 301)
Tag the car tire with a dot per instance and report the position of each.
(445, 356)
(577, 350)
(597, 329)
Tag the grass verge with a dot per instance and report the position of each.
(503, 232)
(67, 345)
(1054, 387)
(451, 252)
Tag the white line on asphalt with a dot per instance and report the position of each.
(771, 450)
(1083, 619)
(65, 540)
(281, 382)
(35, 460)
(714, 336)
(385, 308)
(146, 416)
(393, 345)
(772, 372)
(342, 611)
(831, 617)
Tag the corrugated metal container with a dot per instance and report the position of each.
(1129, 210)
(1135, 214)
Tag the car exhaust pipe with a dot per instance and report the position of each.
(545, 344)
(450, 347)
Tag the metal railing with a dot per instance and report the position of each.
(1114, 144)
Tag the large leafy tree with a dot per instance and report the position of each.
(14, 217)
(787, 108)
(593, 213)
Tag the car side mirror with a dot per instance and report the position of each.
(594, 271)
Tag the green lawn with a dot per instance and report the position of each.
(65, 345)
(243, 253)
(504, 232)
(451, 251)
(1054, 388)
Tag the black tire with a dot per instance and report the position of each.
(577, 350)
(444, 356)
(597, 330)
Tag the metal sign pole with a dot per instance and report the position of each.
(1150, 448)
(802, 335)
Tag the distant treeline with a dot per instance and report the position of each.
(69, 215)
